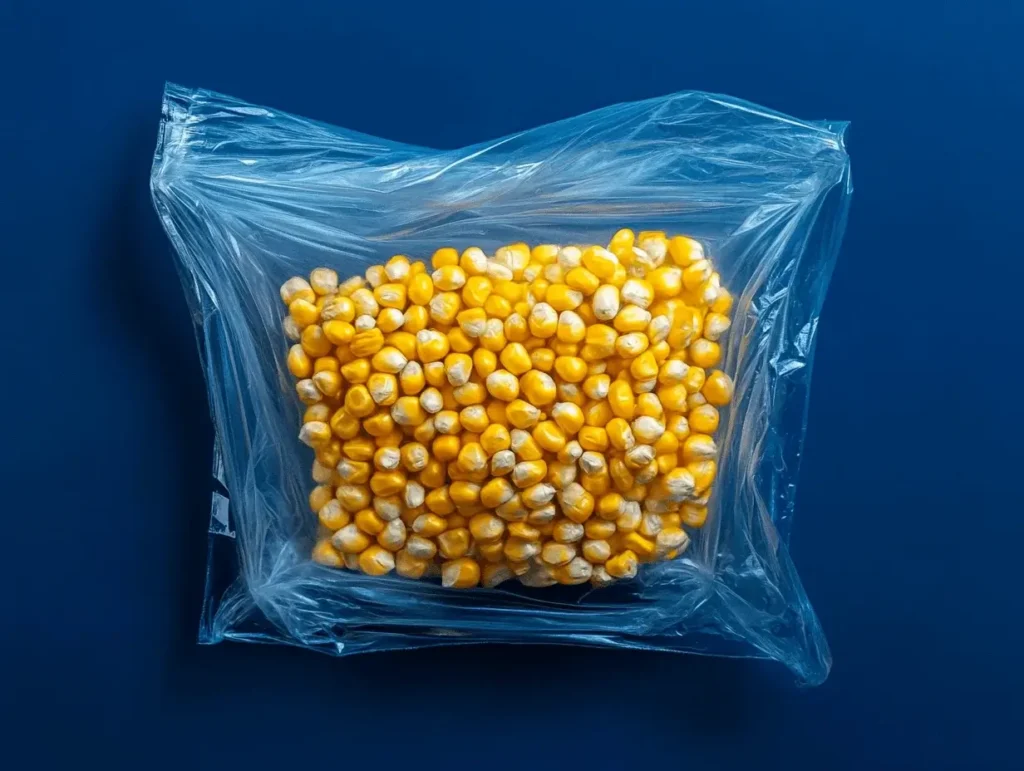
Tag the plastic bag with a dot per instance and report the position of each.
(250, 196)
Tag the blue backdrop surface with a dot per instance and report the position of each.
(909, 518)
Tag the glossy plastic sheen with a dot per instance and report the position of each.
(251, 196)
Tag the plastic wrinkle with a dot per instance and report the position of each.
(250, 196)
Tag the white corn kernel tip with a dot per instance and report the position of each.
(350, 538)
(389, 508)
(431, 401)
(672, 539)
(569, 532)
(640, 455)
(554, 274)
(324, 281)
(397, 270)
(364, 322)
(416, 458)
(701, 447)
(673, 372)
(638, 293)
(592, 462)
(538, 495)
(650, 524)
(658, 329)
(420, 547)
(573, 450)
(307, 391)
(498, 272)
(458, 373)
(502, 462)
(322, 474)
(606, 302)
(291, 329)
(538, 576)
(569, 257)
(600, 577)
(393, 535)
(365, 303)
(655, 248)
(543, 515)
(680, 484)
(310, 431)
(647, 429)
(383, 389)
(414, 494)
(579, 570)
(715, 325)
(388, 458)
(292, 287)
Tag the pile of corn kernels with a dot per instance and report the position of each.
(545, 414)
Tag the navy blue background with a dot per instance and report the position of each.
(909, 519)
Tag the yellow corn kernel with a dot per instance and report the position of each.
(472, 457)
(446, 448)
(703, 472)
(639, 293)
(486, 527)
(307, 391)
(717, 389)
(474, 418)
(563, 349)
(666, 281)
(357, 371)
(433, 474)
(337, 308)
(297, 288)
(538, 289)
(376, 561)
(577, 504)
(563, 298)
(697, 447)
(367, 343)
(650, 405)
(383, 388)
(596, 386)
(631, 344)
(644, 548)
(496, 492)
(385, 483)
(596, 551)
(329, 455)
(582, 280)
(325, 554)
(593, 438)
(314, 341)
(353, 497)
(516, 359)
(543, 320)
(622, 565)
(538, 388)
(320, 496)
(704, 419)
(644, 366)
(448, 278)
(549, 436)
(339, 332)
(364, 302)
(476, 291)
(667, 443)
(528, 473)
(462, 573)
(469, 394)
(569, 417)
(407, 411)
(368, 521)
(444, 307)
(571, 369)
(621, 399)
(409, 566)
(542, 359)
(622, 476)
(516, 329)
(557, 553)
(519, 550)
(493, 552)
(703, 353)
(413, 456)
(599, 261)
(600, 340)
(303, 312)
(484, 362)
(319, 412)
(693, 515)
(350, 539)
(622, 240)
(447, 422)
(379, 425)
(620, 435)
(502, 384)
(299, 362)
(358, 402)
(685, 251)
(390, 296)
(453, 543)
(695, 274)
(495, 438)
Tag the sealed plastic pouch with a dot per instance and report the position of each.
(550, 388)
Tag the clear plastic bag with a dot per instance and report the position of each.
(251, 196)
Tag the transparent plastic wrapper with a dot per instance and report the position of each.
(250, 197)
